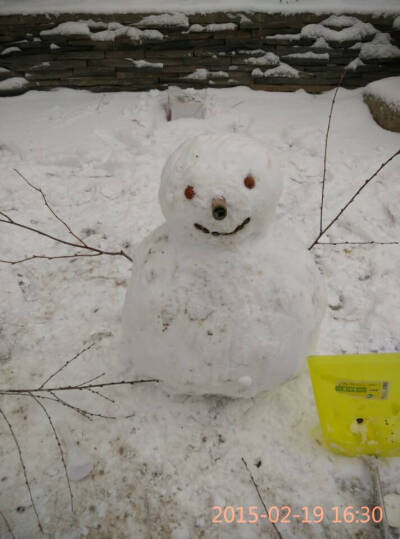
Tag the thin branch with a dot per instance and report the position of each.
(33, 257)
(66, 364)
(95, 392)
(11, 221)
(367, 181)
(7, 525)
(21, 459)
(49, 207)
(59, 447)
(326, 151)
(91, 379)
(78, 387)
(86, 413)
(278, 533)
(358, 243)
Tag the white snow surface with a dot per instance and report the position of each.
(13, 83)
(380, 47)
(110, 31)
(387, 90)
(268, 59)
(158, 474)
(193, 6)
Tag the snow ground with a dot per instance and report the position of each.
(159, 473)
(192, 6)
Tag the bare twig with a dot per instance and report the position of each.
(95, 392)
(66, 364)
(326, 151)
(21, 459)
(59, 447)
(49, 207)
(34, 257)
(80, 245)
(358, 243)
(77, 387)
(367, 181)
(7, 525)
(278, 533)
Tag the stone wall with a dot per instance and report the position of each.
(143, 51)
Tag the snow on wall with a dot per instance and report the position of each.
(139, 52)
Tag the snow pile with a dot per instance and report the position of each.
(387, 90)
(268, 59)
(309, 54)
(218, 27)
(13, 83)
(321, 43)
(178, 20)
(145, 63)
(204, 74)
(198, 74)
(358, 31)
(10, 50)
(340, 21)
(355, 64)
(282, 70)
(380, 47)
(111, 31)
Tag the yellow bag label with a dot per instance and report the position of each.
(358, 402)
(364, 389)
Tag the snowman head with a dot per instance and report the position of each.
(219, 189)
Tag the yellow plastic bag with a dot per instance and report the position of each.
(358, 402)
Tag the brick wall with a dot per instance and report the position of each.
(135, 51)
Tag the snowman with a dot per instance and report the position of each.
(222, 300)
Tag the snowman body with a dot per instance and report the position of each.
(218, 306)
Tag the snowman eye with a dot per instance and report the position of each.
(249, 182)
(189, 192)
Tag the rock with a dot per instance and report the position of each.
(383, 100)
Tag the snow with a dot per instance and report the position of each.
(145, 63)
(321, 43)
(192, 6)
(13, 83)
(339, 21)
(268, 59)
(4, 70)
(9, 50)
(99, 157)
(219, 27)
(356, 32)
(388, 90)
(166, 19)
(355, 64)
(379, 47)
(198, 74)
(396, 23)
(192, 308)
(111, 31)
(309, 54)
(282, 70)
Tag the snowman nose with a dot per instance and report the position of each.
(219, 210)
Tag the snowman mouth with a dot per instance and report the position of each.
(214, 233)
